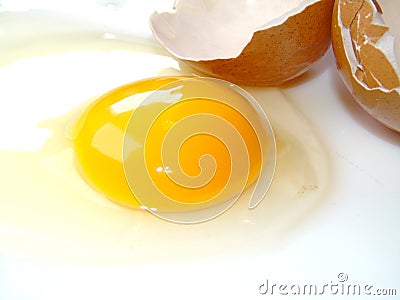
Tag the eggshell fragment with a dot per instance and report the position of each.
(247, 42)
(367, 53)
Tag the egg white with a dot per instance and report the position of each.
(47, 211)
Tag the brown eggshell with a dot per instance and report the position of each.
(374, 82)
(275, 54)
(278, 54)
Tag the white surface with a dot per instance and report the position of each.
(348, 224)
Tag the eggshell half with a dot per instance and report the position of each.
(367, 56)
(262, 43)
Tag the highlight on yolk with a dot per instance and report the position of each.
(174, 145)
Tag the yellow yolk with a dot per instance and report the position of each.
(155, 140)
(195, 147)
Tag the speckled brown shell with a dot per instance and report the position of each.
(279, 53)
(382, 105)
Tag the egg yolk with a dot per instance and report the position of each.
(154, 138)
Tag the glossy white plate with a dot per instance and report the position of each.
(332, 208)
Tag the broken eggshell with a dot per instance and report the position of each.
(248, 42)
(367, 52)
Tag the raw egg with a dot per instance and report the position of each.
(182, 148)
(247, 42)
(49, 213)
